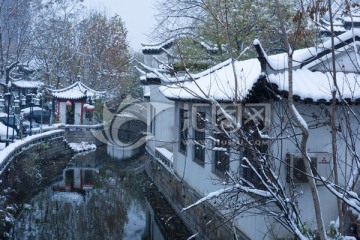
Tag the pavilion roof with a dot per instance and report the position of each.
(76, 91)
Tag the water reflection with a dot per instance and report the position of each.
(79, 175)
(108, 203)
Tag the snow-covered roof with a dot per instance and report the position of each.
(312, 55)
(344, 17)
(337, 29)
(318, 85)
(219, 82)
(27, 84)
(148, 48)
(352, 19)
(28, 109)
(166, 153)
(78, 90)
(154, 75)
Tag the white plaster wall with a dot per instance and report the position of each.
(163, 115)
(203, 180)
(319, 141)
(320, 138)
(121, 153)
(77, 177)
(77, 113)
(62, 112)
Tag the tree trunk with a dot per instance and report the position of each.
(303, 127)
(333, 122)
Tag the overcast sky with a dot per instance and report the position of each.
(138, 16)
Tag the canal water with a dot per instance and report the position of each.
(96, 197)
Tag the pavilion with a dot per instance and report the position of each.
(73, 101)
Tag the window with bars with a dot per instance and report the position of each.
(222, 151)
(183, 120)
(199, 137)
(255, 117)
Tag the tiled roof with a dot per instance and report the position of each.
(75, 91)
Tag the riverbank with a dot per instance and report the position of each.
(26, 174)
(122, 204)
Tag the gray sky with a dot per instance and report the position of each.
(138, 16)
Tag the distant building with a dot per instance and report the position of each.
(344, 18)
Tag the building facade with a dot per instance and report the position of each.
(204, 138)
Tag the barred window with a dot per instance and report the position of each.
(255, 117)
(222, 151)
(199, 137)
(183, 120)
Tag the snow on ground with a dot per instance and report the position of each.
(4, 129)
(27, 110)
(136, 223)
(71, 197)
(83, 146)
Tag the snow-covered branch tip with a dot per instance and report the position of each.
(209, 197)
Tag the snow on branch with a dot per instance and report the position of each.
(349, 197)
(217, 193)
(299, 118)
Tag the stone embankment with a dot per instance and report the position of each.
(53, 144)
(203, 219)
(29, 164)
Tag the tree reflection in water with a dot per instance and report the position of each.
(114, 209)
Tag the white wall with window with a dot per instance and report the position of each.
(160, 121)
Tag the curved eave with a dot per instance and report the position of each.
(341, 41)
(198, 100)
(156, 49)
(69, 98)
(92, 92)
(78, 86)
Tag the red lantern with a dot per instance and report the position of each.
(68, 104)
(90, 108)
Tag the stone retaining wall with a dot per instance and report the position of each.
(78, 134)
(45, 154)
(202, 219)
(26, 170)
